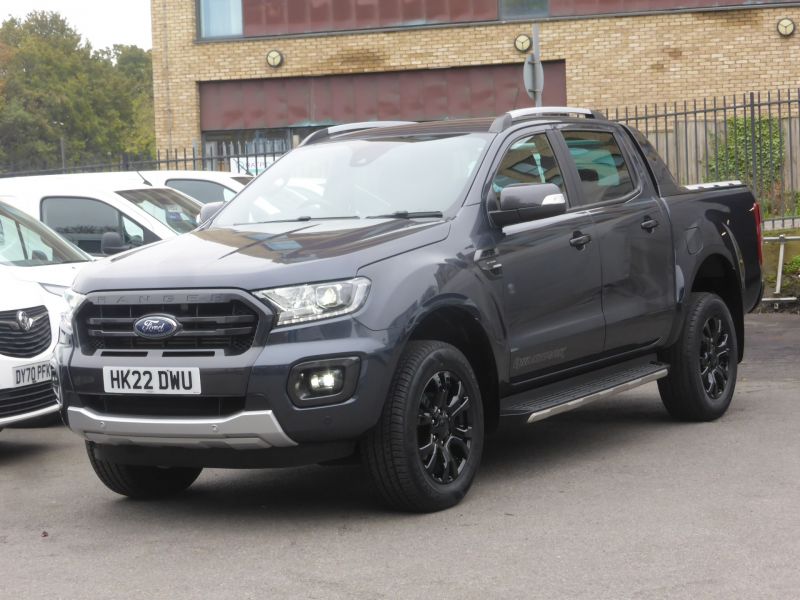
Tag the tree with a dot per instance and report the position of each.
(53, 86)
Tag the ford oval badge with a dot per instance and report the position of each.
(156, 327)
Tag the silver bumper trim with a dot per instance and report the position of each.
(256, 429)
(31, 415)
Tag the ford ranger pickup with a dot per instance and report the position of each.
(391, 291)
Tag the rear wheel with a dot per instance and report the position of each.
(424, 452)
(142, 482)
(703, 362)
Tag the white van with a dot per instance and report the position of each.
(103, 213)
(36, 267)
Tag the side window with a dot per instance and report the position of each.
(602, 169)
(204, 191)
(82, 221)
(134, 233)
(35, 246)
(530, 160)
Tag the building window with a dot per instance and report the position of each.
(523, 9)
(220, 18)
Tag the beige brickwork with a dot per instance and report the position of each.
(622, 61)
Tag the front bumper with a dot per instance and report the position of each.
(269, 419)
(246, 430)
(34, 414)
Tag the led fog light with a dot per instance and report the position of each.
(320, 382)
(325, 382)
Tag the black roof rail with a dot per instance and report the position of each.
(505, 121)
(324, 134)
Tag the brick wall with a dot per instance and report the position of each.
(610, 61)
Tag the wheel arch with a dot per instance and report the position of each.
(462, 328)
(717, 275)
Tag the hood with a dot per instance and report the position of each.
(57, 275)
(20, 293)
(261, 256)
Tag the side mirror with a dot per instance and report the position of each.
(112, 243)
(523, 202)
(208, 211)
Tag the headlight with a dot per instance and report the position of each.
(73, 300)
(303, 303)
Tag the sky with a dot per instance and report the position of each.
(101, 22)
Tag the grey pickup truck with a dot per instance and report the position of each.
(392, 291)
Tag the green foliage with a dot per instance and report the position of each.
(792, 267)
(54, 86)
(734, 154)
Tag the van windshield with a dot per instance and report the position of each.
(414, 174)
(172, 208)
(25, 242)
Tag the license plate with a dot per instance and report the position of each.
(138, 380)
(30, 374)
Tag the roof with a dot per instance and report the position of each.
(488, 125)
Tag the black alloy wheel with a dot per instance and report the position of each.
(444, 432)
(715, 355)
(426, 448)
(703, 361)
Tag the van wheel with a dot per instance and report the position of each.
(424, 452)
(142, 482)
(703, 362)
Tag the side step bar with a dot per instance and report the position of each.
(562, 396)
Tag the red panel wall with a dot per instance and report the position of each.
(566, 8)
(412, 95)
(280, 17)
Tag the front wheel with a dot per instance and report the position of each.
(424, 452)
(703, 362)
(142, 482)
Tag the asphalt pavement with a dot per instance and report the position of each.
(614, 500)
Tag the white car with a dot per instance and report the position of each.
(29, 321)
(36, 267)
(103, 213)
(205, 186)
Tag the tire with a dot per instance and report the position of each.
(703, 362)
(426, 448)
(141, 482)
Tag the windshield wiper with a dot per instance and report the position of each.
(297, 219)
(404, 214)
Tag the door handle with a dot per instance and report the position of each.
(580, 240)
(649, 224)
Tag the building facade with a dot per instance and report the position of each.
(267, 72)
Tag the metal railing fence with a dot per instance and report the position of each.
(754, 137)
(235, 157)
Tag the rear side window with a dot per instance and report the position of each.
(204, 191)
(174, 210)
(602, 169)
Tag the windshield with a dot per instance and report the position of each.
(25, 242)
(361, 178)
(173, 209)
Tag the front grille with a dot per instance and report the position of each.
(229, 326)
(164, 406)
(21, 400)
(15, 341)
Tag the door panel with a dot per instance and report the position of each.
(634, 238)
(551, 295)
(550, 279)
(638, 272)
